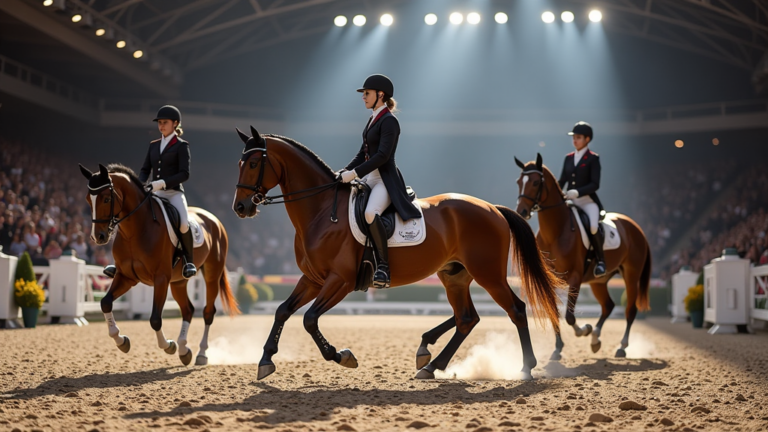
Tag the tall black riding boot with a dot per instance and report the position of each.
(379, 238)
(189, 269)
(110, 270)
(597, 244)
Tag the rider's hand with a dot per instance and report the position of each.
(155, 186)
(338, 173)
(348, 176)
(571, 194)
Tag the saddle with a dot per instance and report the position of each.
(173, 223)
(606, 232)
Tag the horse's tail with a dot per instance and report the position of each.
(538, 282)
(645, 282)
(227, 298)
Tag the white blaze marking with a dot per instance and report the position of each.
(93, 217)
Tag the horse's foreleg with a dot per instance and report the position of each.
(120, 285)
(304, 292)
(179, 292)
(574, 287)
(333, 291)
(632, 282)
(423, 356)
(600, 291)
(156, 318)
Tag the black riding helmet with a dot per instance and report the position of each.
(582, 128)
(169, 112)
(379, 83)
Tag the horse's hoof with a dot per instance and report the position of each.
(596, 347)
(126, 346)
(186, 358)
(171, 348)
(620, 353)
(425, 374)
(348, 359)
(587, 330)
(526, 376)
(423, 357)
(201, 360)
(556, 356)
(265, 370)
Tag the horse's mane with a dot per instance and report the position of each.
(304, 149)
(122, 169)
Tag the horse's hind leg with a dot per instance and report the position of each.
(304, 292)
(600, 291)
(179, 292)
(423, 356)
(120, 285)
(465, 319)
(632, 281)
(212, 276)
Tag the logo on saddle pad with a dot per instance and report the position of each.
(413, 234)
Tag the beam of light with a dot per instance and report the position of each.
(120, 44)
(567, 16)
(456, 18)
(100, 32)
(548, 17)
(359, 20)
(430, 19)
(76, 18)
(138, 54)
(679, 143)
(386, 20)
(473, 18)
(595, 15)
(340, 21)
(501, 18)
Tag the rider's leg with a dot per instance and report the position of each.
(593, 211)
(179, 201)
(377, 203)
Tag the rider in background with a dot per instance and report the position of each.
(168, 160)
(375, 164)
(580, 179)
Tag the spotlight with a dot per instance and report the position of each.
(138, 54)
(679, 143)
(548, 17)
(76, 18)
(430, 19)
(100, 32)
(59, 5)
(120, 44)
(595, 15)
(473, 18)
(340, 21)
(358, 20)
(501, 18)
(456, 18)
(386, 20)
(567, 16)
(47, 3)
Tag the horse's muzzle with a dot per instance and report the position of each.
(525, 213)
(245, 208)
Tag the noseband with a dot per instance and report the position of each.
(113, 221)
(536, 206)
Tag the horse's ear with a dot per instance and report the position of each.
(256, 135)
(538, 161)
(103, 171)
(243, 136)
(520, 164)
(86, 172)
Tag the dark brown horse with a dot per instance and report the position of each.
(560, 239)
(143, 253)
(467, 239)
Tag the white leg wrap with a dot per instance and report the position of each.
(204, 342)
(577, 329)
(183, 338)
(162, 342)
(114, 332)
(596, 336)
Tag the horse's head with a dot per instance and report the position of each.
(530, 186)
(101, 198)
(255, 178)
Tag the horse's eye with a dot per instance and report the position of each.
(107, 200)
(536, 183)
(253, 165)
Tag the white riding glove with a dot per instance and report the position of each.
(338, 173)
(571, 194)
(155, 186)
(348, 176)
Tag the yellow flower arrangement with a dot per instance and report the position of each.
(694, 301)
(28, 294)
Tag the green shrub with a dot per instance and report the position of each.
(246, 295)
(24, 269)
(265, 291)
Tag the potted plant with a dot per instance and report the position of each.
(29, 296)
(694, 305)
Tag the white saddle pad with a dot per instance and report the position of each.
(194, 225)
(410, 233)
(612, 238)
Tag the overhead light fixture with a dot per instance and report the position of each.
(340, 21)
(120, 44)
(138, 54)
(101, 32)
(456, 18)
(386, 20)
(430, 19)
(679, 143)
(548, 17)
(359, 20)
(567, 16)
(76, 18)
(501, 18)
(715, 141)
(47, 3)
(473, 18)
(59, 5)
(595, 15)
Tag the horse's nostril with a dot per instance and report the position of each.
(101, 237)
(240, 207)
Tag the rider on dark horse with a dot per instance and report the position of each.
(375, 164)
(580, 179)
(168, 160)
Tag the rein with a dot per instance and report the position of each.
(113, 221)
(259, 198)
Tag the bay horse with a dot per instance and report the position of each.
(466, 239)
(143, 253)
(559, 237)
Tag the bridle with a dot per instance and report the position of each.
(259, 196)
(113, 221)
(536, 206)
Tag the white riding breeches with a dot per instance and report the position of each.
(179, 201)
(591, 209)
(379, 199)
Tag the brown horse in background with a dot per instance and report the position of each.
(143, 252)
(467, 239)
(559, 237)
